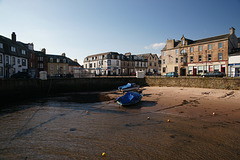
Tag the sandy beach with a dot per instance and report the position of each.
(169, 123)
(213, 105)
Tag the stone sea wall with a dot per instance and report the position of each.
(30, 88)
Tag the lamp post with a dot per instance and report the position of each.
(206, 60)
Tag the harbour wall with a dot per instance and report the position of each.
(27, 88)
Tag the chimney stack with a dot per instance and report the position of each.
(75, 60)
(43, 50)
(232, 30)
(14, 37)
(63, 54)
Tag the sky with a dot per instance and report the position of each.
(81, 28)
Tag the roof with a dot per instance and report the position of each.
(72, 63)
(18, 45)
(177, 43)
(102, 54)
(224, 36)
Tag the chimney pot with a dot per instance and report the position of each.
(14, 37)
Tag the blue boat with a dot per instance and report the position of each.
(129, 98)
(128, 87)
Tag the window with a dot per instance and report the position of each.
(23, 62)
(58, 60)
(51, 60)
(117, 63)
(94, 65)
(200, 48)
(219, 45)
(40, 58)
(191, 49)
(176, 60)
(13, 49)
(181, 59)
(18, 61)
(219, 56)
(209, 57)
(155, 64)
(90, 65)
(163, 61)
(7, 60)
(164, 69)
(109, 62)
(1, 45)
(150, 63)
(1, 58)
(209, 47)
(200, 58)
(40, 65)
(183, 51)
(191, 59)
(13, 60)
(64, 67)
(23, 52)
(163, 53)
(183, 42)
(64, 60)
(1, 71)
(176, 51)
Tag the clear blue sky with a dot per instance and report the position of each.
(83, 27)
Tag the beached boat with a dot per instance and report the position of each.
(129, 98)
(129, 87)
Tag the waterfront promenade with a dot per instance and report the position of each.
(203, 124)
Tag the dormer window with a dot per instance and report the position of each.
(13, 49)
(183, 42)
(64, 60)
(23, 52)
(58, 60)
(1, 45)
(51, 60)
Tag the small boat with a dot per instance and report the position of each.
(129, 87)
(129, 98)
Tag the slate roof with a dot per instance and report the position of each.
(8, 43)
(72, 63)
(177, 43)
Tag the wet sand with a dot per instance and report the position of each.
(57, 128)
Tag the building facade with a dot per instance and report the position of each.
(13, 56)
(108, 63)
(153, 63)
(57, 65)
(188, 57)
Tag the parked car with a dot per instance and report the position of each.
(213, 74)
(171, 74)
(24, 75)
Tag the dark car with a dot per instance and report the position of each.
(171, 74)
(24, 75)
(213, 74)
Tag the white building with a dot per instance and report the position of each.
(13, 56)
(234, 65)
(104, 63)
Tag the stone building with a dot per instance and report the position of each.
(194, 57)
(57, 65)
(153, 63)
